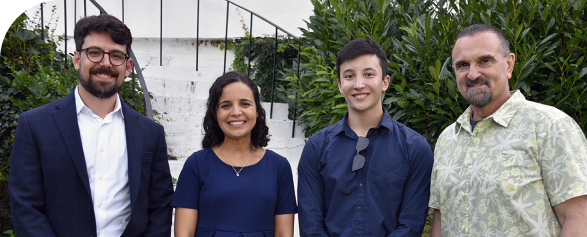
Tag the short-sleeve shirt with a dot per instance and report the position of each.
(229, 205)
(503, 177)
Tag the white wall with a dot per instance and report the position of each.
(179, 16)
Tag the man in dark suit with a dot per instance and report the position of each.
(87, 164)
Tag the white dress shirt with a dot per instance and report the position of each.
(104, 145)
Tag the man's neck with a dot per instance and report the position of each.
(361, 121)
(100, 107)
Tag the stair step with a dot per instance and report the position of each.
(179, 123)
(195, 106)
(178, 88)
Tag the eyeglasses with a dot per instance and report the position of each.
(96, 55)
(359, 160)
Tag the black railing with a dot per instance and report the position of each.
(146, 99)
(277, 29)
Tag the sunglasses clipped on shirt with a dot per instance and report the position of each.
(359, 160)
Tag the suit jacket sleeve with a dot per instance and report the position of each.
(160, 192)
(27, 198)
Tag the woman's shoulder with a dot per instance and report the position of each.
(277, 159)
(200, 157)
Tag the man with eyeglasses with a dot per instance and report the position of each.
(367, 175)
(88, 164)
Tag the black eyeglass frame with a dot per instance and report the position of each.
(126, 57)
(359, 160)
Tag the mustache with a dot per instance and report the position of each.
(104, 70)
(478, 80)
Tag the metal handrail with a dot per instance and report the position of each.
(277, 28)
(146, 99)
(136, 66)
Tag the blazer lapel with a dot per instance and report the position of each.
(134, 146)
(65, 116)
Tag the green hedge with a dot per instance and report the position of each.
(548, 37)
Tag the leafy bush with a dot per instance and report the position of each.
(33, 73)
(547, 36)
(262, 58)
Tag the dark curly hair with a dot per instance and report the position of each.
(117, 30)
(213, 135)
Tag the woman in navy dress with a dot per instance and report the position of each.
(234, 187)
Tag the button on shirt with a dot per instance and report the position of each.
(387, 197)
(104, 146)
(502, 177)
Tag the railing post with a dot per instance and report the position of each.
(226, 36)
(293, 129)
(273, 81)
(85, 9)
(161, 36)
(146, 99)
(65, 32)
(133, 89)
(123, 17)
(42, 24)
(250, 44)
(197, 34)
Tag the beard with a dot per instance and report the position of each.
(100, 89)
(479, 97)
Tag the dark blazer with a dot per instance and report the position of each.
(49, 188)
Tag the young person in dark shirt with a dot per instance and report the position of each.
(367, 174)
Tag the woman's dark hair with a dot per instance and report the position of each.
(117, 30)
(213, 135)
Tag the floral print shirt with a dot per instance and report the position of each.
(503, 177)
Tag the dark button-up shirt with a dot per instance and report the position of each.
(387, 197)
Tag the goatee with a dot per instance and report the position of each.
(479, 97)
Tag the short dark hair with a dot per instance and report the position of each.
(213, 135)
(478, 28)
(359, 47)
(117, 30)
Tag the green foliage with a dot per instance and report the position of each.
(547, 36)
(33, 73)
(262, 66)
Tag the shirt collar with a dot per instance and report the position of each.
(501, 116)
(80, 106)
(343, 125)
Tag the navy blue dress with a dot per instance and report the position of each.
(234, 206)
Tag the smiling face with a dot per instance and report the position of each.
(361, 84)
(482, 71)
(237, 112)
(102, 79)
